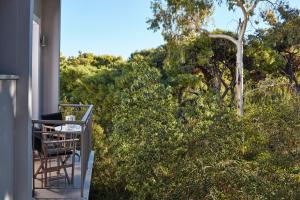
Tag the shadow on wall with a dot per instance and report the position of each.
(7, 120)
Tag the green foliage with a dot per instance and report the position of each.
(262, 59)
(71, 80)
(165, 127)
(283, 39)
(155, 57)
(179, 17)
(185, 60)
(87, 59)
(106, 184)
(144, 134)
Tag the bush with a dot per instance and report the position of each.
(152, 146)
(215, 156)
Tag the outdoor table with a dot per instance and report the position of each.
(69, 128)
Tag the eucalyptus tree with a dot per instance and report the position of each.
(182, 17)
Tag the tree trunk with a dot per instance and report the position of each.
(291, 73)
(239, 65)
(239, 78)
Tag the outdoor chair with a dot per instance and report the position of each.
(58, 117)
(54, 153)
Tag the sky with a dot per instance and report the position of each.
(118, 27)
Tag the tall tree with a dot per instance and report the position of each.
(284, 38)
(183, 17)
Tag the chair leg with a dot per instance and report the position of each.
(36, 173)
(73, 166)
(33, 178)
(58, 164)
(64, 168)
(45, 172)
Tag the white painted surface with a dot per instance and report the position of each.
(51, 14)
(35, 70)
(7, 120)
(8, 77)
(16, 18)
(69, 128)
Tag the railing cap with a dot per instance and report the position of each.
(83, 120)
(8, 77)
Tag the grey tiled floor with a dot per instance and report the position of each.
(59, 189)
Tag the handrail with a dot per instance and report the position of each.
(57, 122)
(83, 120)
(74, 105)
(87, 114)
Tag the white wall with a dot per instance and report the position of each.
(36, 70)
(7, 120)
(16, 25)
(15, 58)
(51, 16)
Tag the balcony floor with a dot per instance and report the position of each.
(57, 194)
(60, 189)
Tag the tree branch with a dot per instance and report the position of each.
(224, 36)
(246, 13)
(240, 4)
(243, 29)
(254, 6)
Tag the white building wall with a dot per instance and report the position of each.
(16, 25)
(51, 17)
(7, 120)
(15, 58)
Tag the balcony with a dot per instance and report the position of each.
(66, 174)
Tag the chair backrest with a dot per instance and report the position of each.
(37, 140)
(52, 116)
(56, 143)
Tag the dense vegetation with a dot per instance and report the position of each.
(166, 124)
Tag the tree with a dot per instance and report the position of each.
(89, 59)
(144, 150)
(223, 63)
(180, 18)
(154, 57)
(284, 38)
(261, 60)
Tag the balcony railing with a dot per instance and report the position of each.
(62, 154)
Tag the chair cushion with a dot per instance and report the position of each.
(37, 140)
(52, 116)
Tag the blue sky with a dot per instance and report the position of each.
(118, 27)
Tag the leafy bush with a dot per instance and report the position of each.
(150, 145)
